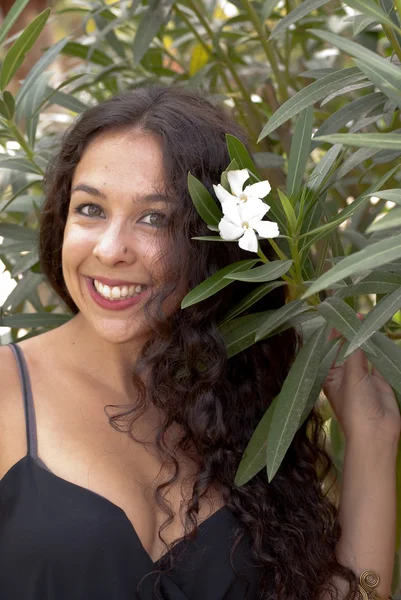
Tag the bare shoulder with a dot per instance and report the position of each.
(12, 422)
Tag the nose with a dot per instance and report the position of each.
(113, 246)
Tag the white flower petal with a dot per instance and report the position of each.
(267, 229)
(259, 189)
(236, 179)
(253, 210)
(223, 195)
(249, 241)
(231, 210)
(228, 230)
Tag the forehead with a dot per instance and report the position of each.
(122, 159)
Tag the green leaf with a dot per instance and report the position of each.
(19, 164)
(289, 213)
(327, 358)
(67, 101)
(280, 316)
(215, 283)
(17, 232)
(351, 111)
(251, 299)
(27, 321)
(86, 53)
(309, 95)
(392, 195)
(149, 26)
(341, 316)
(254, 457)
(267, 272)
(23, 290)
(203, 201)
(374, 286)
(381, 81)
(368, 258)
(292, 400)
(300, 148)
(323, 168)
(16, 9)
(386, 141)
(239, 334)
(9, 102)
(387, 360)
(303, 10)
(26, 262)
(384, 310)
(389, 221)
(16, 54)
(372, 10)
(45, 60)
(382, 66)
(240, 154)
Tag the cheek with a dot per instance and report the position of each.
(77, 244)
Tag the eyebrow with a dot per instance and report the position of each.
(92, 191)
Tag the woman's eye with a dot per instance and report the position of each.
(156, 219)
(89, 210)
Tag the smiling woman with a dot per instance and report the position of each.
(136, 419)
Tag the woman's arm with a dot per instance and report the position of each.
(368, 507)
(366, 408)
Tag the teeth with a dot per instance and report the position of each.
(115, 292)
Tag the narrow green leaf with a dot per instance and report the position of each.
(17, 232)
(381, 81)
(384, 310)
(368, 258)
(386, 141)
(341, 316)
(327, 358)
(392, 195)
(351, 111)
(387, 360)
(389, 221)
(19, 164)
(251, 299)
(27, 321)
(9, 102)
(300, 148)
(45, 60)
(280, 316)
(16, 54)
(267, 272)
(26, 262)
(215, 283)
(22, 291)
(323, 167)
(239, 334)
(292, 400)
(381, 65)
(254, 457)
(11, 17)
(373, 11)
(309, 95)
(203, 201)
(289, 213)
(240, 154)
(67, 101)
(149, 26)
(304, 9)
(267, 8)
(86, 53)
(367, 287)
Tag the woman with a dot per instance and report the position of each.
(93, 511)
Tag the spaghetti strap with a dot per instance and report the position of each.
(30, 419)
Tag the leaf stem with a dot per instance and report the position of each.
(24, 145)
(260, 30)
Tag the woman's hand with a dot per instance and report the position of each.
(363, 402)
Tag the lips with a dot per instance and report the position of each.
(115, 304)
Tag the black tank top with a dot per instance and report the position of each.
(61, 541)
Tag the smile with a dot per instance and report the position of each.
(115, 297)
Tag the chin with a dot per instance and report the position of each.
(121, 332)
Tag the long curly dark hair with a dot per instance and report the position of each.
(293, 524)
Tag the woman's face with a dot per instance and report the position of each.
(116, 234)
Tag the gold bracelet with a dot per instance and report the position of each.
(368, 581)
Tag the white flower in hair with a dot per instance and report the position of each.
(244, 210)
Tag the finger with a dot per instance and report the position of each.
(356, 367)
